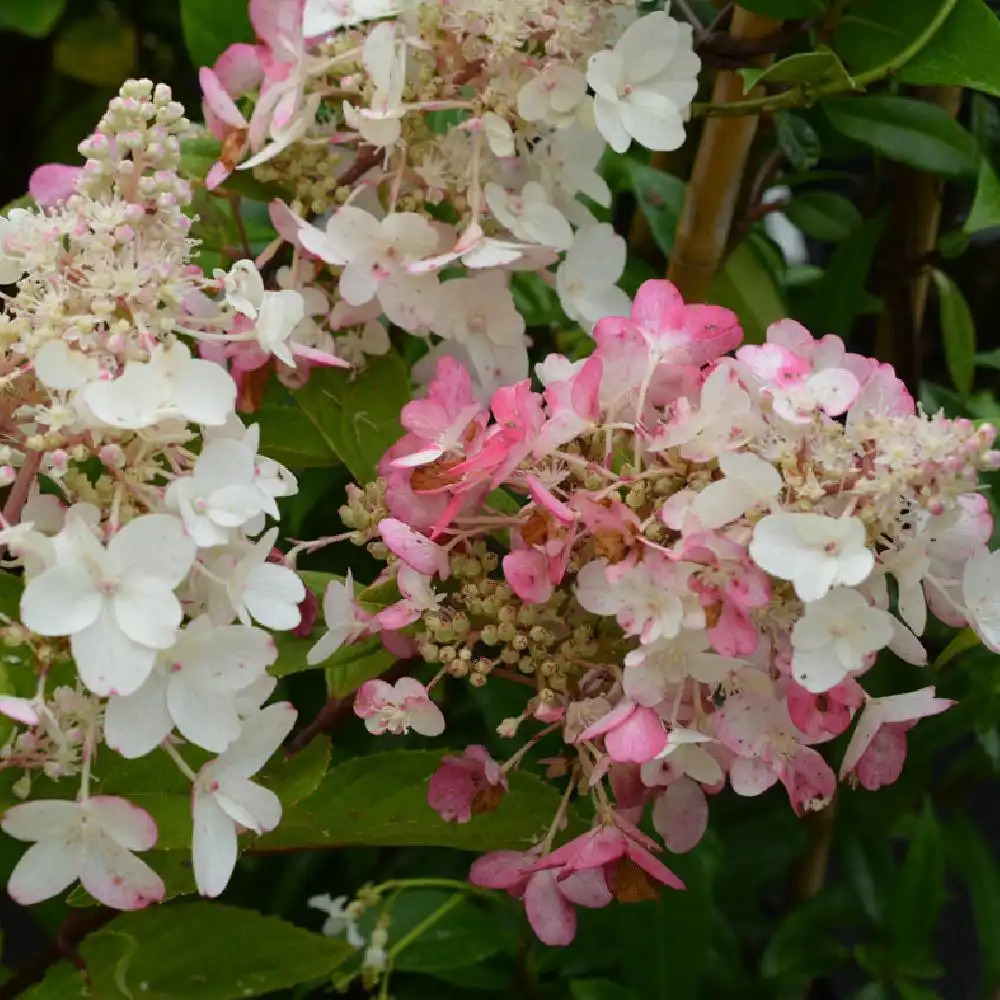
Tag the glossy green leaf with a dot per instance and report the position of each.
(660, 196)
(821, 66)
(599, 989)
(963, 53)
(98, 50)
(786, 9)
(958, 332)
(797, 139)
(748, 285)
(344, 810)
(61, 982)
(917, 893)
(805, 944)
(838, 297)
(293, 778)
(209, 28)
(823, 215)
(976, 862)
(205, 951)
(985, 211)
(35, 18)
(358, 415)
(467, 931)
(909, 131)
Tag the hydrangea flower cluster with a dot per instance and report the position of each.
(449, 139)
(691, 559)
(137, 514)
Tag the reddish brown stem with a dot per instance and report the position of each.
(18, 495)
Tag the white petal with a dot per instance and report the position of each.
(272, 595)
(204, 393)
(42, 819)
(214, 848)
(61, 601)
(206, 718)
(250, 805)
(137, 723)
(124, 822)
(44, 871)
(147, 612)
(260, 738)
(108, 661)
(153, 545)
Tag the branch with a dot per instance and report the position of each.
(18, 495)
(806, 94)
(710, 200)
(911, 242)
(71, 932)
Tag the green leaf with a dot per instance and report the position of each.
(599, 989)
(661, 197)
(296, 777)
(909, 131)
(467, 934)
(664, 946)
(345, 674)
(98, 50)
(535, 300)
(985, 211)
(344, 810)
(958, 332)
(204, 951)
(962, 53)
(976, 862)
(797, 139)
(748, 286)
(35, 18)
(823, 215)
(209, 28)
(358, 416)
(804, 946)
(916, 894)
(821, 66)
(790, 10)
(287, 435)
(837, 298)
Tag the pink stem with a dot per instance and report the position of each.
(22, 486)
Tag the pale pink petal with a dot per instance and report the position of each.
(640, 738)
(416, 550)
(551, 917)
(653, 867)
(502, 870)
(117, 878)
(680, 815)
(588, 888)
(52, 183)
(882, 763)
(527, 572)
(750, 776)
